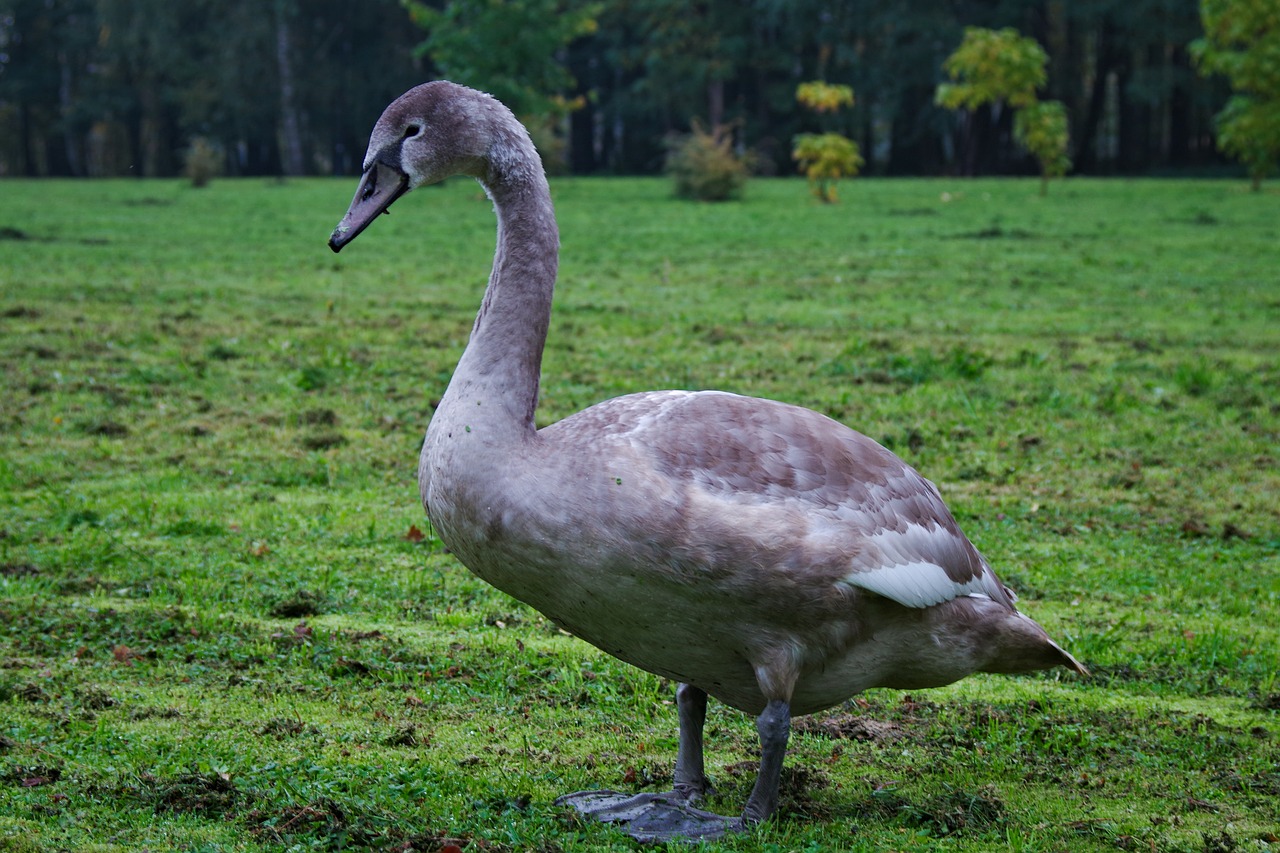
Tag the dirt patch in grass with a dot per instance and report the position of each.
(957, 811)
(95, 698)
(1266, 784)
(1270, 702)
(202, 793)
(406, 734)
(996, 232)
(301, 602)
(33, 776)
(850, 727)
(324, 440)
(319, 417)
(322, 820)
(325, 825)
(953, 812)
(105, 429)
(28, 692)
(285, 727)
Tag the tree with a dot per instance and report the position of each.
(689, 52)
(1000, 68)
(825, 158)
(511, 49)
(1242, 42)
(991, 70)
(42, 46)
(993, 67)
(97, 87)
(1041, 128)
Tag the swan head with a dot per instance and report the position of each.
(429, 133)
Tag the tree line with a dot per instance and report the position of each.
(291, 87)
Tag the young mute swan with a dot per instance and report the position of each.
(747, 549)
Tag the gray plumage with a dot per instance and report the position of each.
(752, 550)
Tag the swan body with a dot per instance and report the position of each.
(750, 550)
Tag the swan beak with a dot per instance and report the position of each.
(379, 187)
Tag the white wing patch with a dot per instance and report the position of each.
(905, 568)
(916, 584)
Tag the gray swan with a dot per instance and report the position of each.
(747, 549)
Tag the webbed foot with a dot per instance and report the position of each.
(651, 818)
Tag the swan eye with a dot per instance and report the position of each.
(412, 131)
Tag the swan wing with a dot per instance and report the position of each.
(866, 520)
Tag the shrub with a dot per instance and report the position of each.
(826, 158)
(705, 167)
(203, 162)
(1041, 128)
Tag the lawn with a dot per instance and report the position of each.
(225, 623)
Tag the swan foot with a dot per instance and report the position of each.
(653, 818)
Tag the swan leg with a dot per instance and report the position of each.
(774, 726)
(650, 817)
(691, 781)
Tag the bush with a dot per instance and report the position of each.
(705, 167)
(825, 159)
(203, 162)
(1041, 128)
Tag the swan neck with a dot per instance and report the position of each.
(503, 360)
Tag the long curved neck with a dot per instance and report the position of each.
(500, 369)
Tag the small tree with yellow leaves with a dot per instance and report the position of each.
(825, 158)
(993, 67)
(1002, 67)
(1041, 128)
(1242, 42)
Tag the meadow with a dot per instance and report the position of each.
(225, 623)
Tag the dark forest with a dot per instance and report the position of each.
(291, 87)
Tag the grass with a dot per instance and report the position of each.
(225, 623)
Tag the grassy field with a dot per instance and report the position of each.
(225, 623)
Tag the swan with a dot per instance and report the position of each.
(746, 549)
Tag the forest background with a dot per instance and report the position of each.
(291, 87)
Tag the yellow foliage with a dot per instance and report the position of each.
(1242, 42)
(1041, 128)
(824, 97)
(993, 66)
(825, 158)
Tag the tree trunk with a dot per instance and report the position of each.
(154, 140)
(715, 104)
(1181, 116)
(75, 163)
(291, 157)
(24, 133)
(1087, 159)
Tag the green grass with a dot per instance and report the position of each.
(225, 624)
